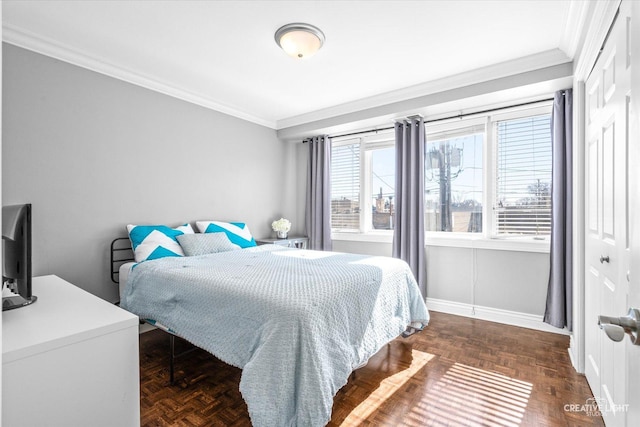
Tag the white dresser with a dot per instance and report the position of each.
(69, 359)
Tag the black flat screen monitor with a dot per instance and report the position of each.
(16, 262)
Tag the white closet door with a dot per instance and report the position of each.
(606, 219)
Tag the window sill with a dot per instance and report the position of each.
(372, 237)
(519, 244)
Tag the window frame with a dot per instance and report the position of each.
(456, 128)
(375, 142)
(368, 143)
(345, 142)
(491, 127)
(488, 238)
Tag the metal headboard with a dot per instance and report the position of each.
(121, 252)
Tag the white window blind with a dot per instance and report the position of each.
(523, 193)
(345, 187)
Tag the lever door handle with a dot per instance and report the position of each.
(614, 332)
(616, 327)
(604, 259)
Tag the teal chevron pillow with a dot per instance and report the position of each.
(237, 232)
(156, 241)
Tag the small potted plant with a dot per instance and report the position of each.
(281, 227)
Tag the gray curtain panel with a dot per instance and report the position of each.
(559, 309)
(318, 203)
(408, 235)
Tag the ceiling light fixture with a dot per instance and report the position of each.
(299, 40)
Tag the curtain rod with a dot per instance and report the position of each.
(459, 116)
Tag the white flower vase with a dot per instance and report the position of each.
(281, 234)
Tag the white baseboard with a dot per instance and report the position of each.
(507, 317)
(574, 355)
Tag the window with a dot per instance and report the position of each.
(523, 181)
(363, 169)
(345, 187)
(487, 176)
(383, 188)
(453, 183)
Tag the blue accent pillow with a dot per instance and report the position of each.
(156, 241)
(237, 232)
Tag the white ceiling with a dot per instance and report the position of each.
(222, 54)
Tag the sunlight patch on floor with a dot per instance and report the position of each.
(467, 396)
(387, 388)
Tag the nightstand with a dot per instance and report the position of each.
(290, 242)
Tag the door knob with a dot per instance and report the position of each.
(604, 259)
(616, 327)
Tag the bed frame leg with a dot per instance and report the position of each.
(172, 356)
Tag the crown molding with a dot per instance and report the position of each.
(480, 75)
(54, 49)
(573, 32)
(601, 17)
(503, 91)
(45, 46)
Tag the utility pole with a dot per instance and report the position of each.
(444, 164)
(447, 160)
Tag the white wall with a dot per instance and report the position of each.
(93, 153)
(1, 254)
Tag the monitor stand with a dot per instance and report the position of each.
(16, 301)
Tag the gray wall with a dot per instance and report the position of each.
(502, 279)
(93, 153)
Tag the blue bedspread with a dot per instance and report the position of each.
(296, 321)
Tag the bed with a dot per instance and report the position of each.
(297, 322)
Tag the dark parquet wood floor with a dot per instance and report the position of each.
(457, 372)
